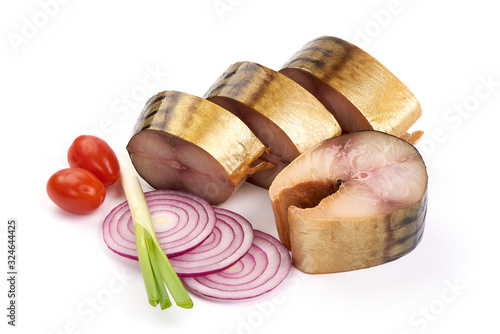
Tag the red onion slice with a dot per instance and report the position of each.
(260, 270)
(231, 238)
(181, 221)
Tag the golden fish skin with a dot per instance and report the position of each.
(361, 93)
(355, 243)
(282, 114)
(183, 129)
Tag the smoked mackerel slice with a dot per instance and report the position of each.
(356, 88)
(184, 142)
(283, 115)
(354, 201)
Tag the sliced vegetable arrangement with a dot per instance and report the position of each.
(241, 261)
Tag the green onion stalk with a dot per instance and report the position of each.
(157, 271)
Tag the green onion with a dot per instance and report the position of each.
(155, 266)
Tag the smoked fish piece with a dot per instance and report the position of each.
(353, 201)
(183, 142)
(357, 89)
(284, 116)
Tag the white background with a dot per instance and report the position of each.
(73, 67)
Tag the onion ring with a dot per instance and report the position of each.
(261, 269)
(231, 238)
(181, 221)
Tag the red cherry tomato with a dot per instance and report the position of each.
(76, 190)
(95, 155)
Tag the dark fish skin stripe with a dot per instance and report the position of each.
(145, 121)
(145, 127)
(317, 62)
(213, 89)
(154, 100)
(315, 48)
(409, 220)
(317, 52)
(226, 75)
(155, 126)
(174, 98)
(230, 74)
(269, 76)
(412, 235)
(237, 87)
(419, 235)
(149, 110)
(223, 82)
(419, 219)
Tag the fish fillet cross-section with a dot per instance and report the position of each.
(351, 202)
(184, 142)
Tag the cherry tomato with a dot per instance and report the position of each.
(95, 155)
(76, 190)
